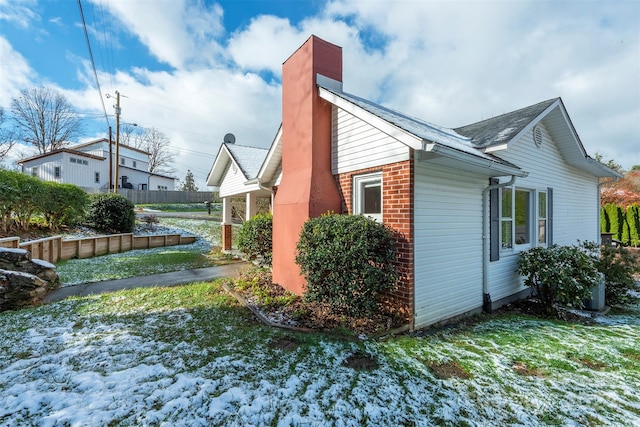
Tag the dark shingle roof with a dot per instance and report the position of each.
(501, 129)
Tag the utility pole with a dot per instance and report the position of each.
(117, 106)
(110, 161)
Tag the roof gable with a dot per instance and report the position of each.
(505, 127)
(247, 159)
(498, 132)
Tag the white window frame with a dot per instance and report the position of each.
(533, 222)
(360, 182)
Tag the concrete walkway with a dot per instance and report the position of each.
(163, 279)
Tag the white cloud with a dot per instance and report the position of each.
(15, 73)
(18, 13)
(178, 33)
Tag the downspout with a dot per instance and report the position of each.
(270, 190)
(486, 298)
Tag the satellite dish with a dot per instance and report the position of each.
(230, 138)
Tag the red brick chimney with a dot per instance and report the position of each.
(308, 189)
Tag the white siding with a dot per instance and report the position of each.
(358, 145)
(233, 182)
(448, 243)
(575, 203)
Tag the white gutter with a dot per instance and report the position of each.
(486, 298)
(429, 147)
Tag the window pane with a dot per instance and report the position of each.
(542, 231)
(523, 222)
(542, 205)
(371, 198)
(506, 202)
(506, 234)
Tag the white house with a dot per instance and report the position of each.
(463, 202)
(87, 165)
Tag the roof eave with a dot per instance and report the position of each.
(490, 167)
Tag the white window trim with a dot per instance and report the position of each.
(359, 181)
(533, 222)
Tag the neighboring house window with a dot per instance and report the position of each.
(135, 165)
(162, 187)
(56, 172)
(122, 160)
(367, 195)
(34, 171)
(97, 178)
(73, 160)
(520, 210)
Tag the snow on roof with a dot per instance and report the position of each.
(418, 127)
(249, 159)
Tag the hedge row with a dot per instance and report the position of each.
(623, 223)
(23, 197)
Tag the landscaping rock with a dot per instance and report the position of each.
(24, 282)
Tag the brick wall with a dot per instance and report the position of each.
(397, 212)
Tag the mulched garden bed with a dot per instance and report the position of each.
(281, 307)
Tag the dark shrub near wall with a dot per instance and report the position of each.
(348, 260)
(111, 213)
(255, 238)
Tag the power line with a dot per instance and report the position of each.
(93, 64)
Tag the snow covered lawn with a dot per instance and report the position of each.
(190, 355)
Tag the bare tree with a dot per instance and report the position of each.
(157, 144)
(7, 137)
(45, 118)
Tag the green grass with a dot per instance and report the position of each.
(130, 264)
(149, 261)
(136, 354)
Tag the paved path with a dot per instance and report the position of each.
(163, 279)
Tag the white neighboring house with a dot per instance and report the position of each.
(87, 165)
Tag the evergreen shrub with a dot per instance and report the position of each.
(111, 213)
(255, 238)
(65, 204)
(559, 275)
(347, 261)
(618, 265)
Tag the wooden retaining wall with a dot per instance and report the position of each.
(54, 249)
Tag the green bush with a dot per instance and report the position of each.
(31, 200)
(111, 213)
(618, 265)
(255, 238)
(347, 261)
(9, 196)
(633, 219)
(65, 204)
(559, 275)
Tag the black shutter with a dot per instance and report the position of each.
(549, 216)
(494, 221)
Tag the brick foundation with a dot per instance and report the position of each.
(227, 234)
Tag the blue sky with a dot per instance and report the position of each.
(197, 70)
